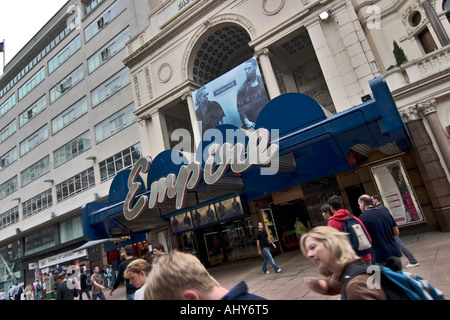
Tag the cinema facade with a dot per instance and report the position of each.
(327, 122)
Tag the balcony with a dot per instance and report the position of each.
(419, 69)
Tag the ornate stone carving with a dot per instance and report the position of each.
(410, 114)
(165, 72)
(149, 84)
(427, 107)
(136, 89)
(272, 8)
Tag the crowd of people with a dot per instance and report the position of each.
(177, 275)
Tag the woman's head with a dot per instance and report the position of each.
(137, 272)
(328, 248)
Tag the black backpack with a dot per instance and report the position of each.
(359, 238)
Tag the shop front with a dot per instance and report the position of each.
(200, 204)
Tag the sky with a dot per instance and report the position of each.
(20, 20)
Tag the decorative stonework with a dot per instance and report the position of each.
(427, 107)
(136, 89)
(407, 15)
(410, 114)
(272, 7)
(165, 72)
(225, 18)
(149, 84)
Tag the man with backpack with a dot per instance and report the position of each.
(341, 219)
(382, 229)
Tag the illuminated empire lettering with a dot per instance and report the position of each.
(258, 153)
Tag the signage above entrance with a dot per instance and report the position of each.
(237, 157)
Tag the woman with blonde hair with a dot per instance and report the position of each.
(137, 272)
(330, 250)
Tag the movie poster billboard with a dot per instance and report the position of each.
(396, 192)
(237, 97)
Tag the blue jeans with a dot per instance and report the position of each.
(100, 295)
(268, 257)
(401, 246)
(85, 290)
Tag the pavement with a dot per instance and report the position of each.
(431, 249)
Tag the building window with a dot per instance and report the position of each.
(72, 149)
(75, 185)
(8, 187)
(115, 123)
(427, 41)
(34, 81)
(122, 160)
(7, 105)
(69, 115)
(35, 171)
(7, 131)
(40, 240)
(66, 84)
(37, 204)
(34, 140)
(8, 158)
(9, 217)
(110, 86)
(106, 17)
(32, 111)
(108, 51)
(64, 55)
(70, 229)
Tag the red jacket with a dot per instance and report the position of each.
(336, 222)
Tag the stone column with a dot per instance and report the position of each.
(194, 121)
(330, 71)
(430, 167)
(428, 109)
(156, 135)
(270, 78)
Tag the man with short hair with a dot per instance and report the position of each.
(181, 276)
(97, 285)
(263, 243)
(382, 229)
(401, 246)
(130, 289)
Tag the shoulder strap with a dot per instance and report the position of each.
(351, 272)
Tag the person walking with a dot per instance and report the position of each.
(182, 276)
(330, 250)
(137, 272)
(382, 229)
(326, 213)
(339, 214)
(108, 276)
(84, 285)
(97, 285)
(130, 289)
(412, 261)
(263, 243)
(66, 289)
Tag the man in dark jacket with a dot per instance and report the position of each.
(382, 229)
(67, 289)
(129, 257)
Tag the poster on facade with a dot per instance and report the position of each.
(229, 208)
(181, 222)
(204, 215)
(236, 97)
(397, 193)
(269, 224)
